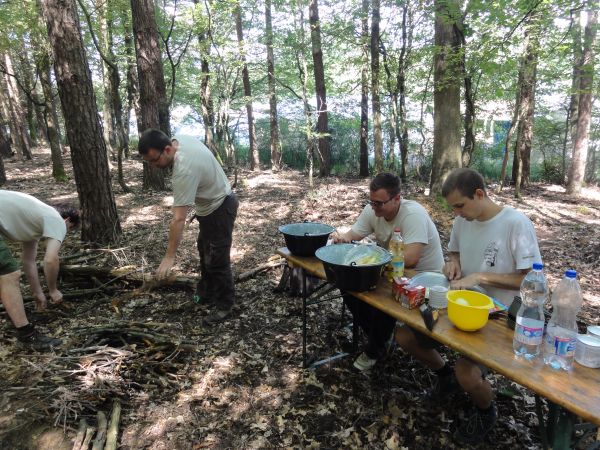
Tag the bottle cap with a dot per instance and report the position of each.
(571, 273)
(538, 266)
(397, 229)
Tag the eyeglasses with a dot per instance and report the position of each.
(379, 204)
(153, 160)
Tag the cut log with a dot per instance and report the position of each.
(80, 436)
(89, 433)
(101, 435)
(113, 427)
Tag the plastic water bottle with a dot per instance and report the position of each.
(396, 248)
(529, 327)
(561, 332)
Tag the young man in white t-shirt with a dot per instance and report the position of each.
(386, 211)
(198, 181)
(490, 246)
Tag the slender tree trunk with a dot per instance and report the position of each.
(402, 127)
(19, 132)
(254, 161)
(586, 86)
(446, 97)
(274, 125)
(469, 122)
(5, 150)
(104, 40)
(100, 221)
(364, 92)
(132, 86)
(577, 55)
(521, 161)
(320, 89)
(375, 100)
(153, 94)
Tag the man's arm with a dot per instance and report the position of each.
(51, 268)
(31, 272)
(412, 254)
(175, 232)
(510, 281)
(348, 236)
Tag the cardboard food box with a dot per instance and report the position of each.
(397, 286)
(412, 296)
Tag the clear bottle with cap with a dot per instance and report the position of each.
(396, 248)
(529, 326)
(561, 333)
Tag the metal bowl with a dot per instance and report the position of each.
(304, 238)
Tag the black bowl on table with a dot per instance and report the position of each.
(347, 274)
(304, 238)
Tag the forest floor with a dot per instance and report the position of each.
(241, 385)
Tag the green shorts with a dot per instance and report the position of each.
(8, 264)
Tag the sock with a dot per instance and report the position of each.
(25, 331)
(444, 371)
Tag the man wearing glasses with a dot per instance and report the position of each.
(385, 211)
(198, 180)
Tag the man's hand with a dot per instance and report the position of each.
(467, 282)
(339, 238)
(56, 297)
(452, 270)
(40, 302)
(164, 270)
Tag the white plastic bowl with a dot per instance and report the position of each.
(587, 351)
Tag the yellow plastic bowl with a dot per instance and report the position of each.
(468, 310)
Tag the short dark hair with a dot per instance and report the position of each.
(388, 181)
(466, 181)
(68, 211)
(152, 138)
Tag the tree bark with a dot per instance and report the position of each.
(446, 97)
(375, 100)
(100, 221)
(320, 89)
(584, 114)
(274, 125)
(364, 93)
(153, 94)
(254, 161)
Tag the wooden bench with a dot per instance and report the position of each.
(577, 391)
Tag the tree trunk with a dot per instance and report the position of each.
(153, 93)
(100, 221)
(254, 161)
(320, 89)
(131, 86)
(469, 122)
(577, 55)
(275, 143)
(521, 160)
(51, 117)
(375, 100)
(446, 97)
(5, 149)
(19, 133)
(586, 86)
(364, 92)
(402, 127)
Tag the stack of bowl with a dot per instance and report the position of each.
(437, 297)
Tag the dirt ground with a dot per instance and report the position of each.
(240, 384)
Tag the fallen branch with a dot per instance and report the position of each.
(80, 434)
(263, 267)
(101, 435)
(89, 432)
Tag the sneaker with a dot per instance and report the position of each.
(216, 316)
(443, 386)
(476, 427)
(39, 342)
(364, 363)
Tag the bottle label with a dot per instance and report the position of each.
(398, 268)
(563, 346)
(529, 335)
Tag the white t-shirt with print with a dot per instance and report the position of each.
(415, 226)
(24, 218)
(505, 243)
(198, 178)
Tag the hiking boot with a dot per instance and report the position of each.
(476, 427)
(443, 387)
(364, 363)
(216, 316)
(39, 342)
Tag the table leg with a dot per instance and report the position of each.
(557, 431)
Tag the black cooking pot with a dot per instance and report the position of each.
(347, 275)
(303, 239)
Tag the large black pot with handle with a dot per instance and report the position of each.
(304, 238)
(353, 267)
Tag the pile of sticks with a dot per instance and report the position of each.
(106, 432)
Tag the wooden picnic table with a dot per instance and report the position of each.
(578, 391)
